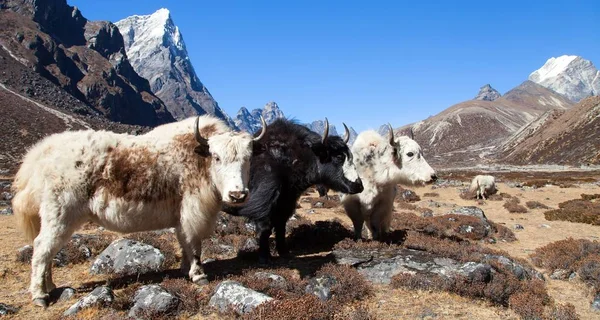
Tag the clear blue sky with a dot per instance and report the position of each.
(367, 62)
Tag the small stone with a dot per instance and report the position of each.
(66, 294)
(321, 286)
(231, 294)
(6, 211)
(310, 211)
(427, 214)
(544, 226)
(7, 196)
(596, 302)
(318, 204)
(519, 227)
(152, 299)
(250, 245)
(99, 296)
(572, 276)
(560, 274)
(6, 309)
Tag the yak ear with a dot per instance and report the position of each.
(202, 150)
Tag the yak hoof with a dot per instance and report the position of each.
(200, 279)
(41, 302)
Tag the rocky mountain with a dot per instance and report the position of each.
(487, 93)
(558, 137)
(250, 121)
(33, 107)
(571, 76)
(85, 58)
(156, 50)
(468, 132)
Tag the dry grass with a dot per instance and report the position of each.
(431, 194)
(585, 210)
(536, 205)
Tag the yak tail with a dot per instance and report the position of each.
(474, 186)
(25, 206)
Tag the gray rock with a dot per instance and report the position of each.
(519, 227)
(545, 226)
(560, 274)
(427, 214)
(513, 184)
(66, 294)
(473, 212)
(596, 302)
(231, 294)
(318, 204)
(321, 286)
(6, 196)
(251, 227)
(409, 195)
(276, 281)
(250, 245)
(6, 211)
(128, 257)
(152, 299)
(572, 276)
(310, 211)
(6, 309)
(99, 296)
(517, 269)
(381, 266)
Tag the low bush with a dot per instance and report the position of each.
(536, 205)
(513, 206)
(577, 210)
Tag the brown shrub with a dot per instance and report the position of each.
(582, 256)
(350, 286)
(513, 206)
(562, 312)
(166, 242)
(293, 287)
(577, 210)
(124, 298)
(527, 305)
(317, 237)
(536, 205)
(453, 226)
(590, 197)
(406, 206)
(307, 306)
(74, 251)
(192, 299)
(431, 194)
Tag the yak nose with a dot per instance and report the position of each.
(434, 177)
(238, 196)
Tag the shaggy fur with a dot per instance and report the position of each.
(482, 186)
(381, 167)
(290, 160)
(129, 183)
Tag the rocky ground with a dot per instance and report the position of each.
(449, 257)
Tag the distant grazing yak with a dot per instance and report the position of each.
(290, 160)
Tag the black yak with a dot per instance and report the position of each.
(290, 158)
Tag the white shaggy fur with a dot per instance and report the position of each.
(482, 186)
(127, 184)
(381, 166)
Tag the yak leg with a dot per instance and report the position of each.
(263, 228)
(282, 248)
(353, 210)
(191, 246)
(54, 234)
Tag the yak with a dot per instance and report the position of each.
(177, 175)
(290, 160)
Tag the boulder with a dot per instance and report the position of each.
(231, 294)
(321, 286)
(154, 300)
(66, 294)
(6, 309)
(99, 296)
(596, 302)
(128, 257)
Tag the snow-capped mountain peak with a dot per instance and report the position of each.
(572, 76)
(157, 52)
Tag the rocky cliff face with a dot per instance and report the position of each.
(572, 76)
(156, 50)
(85, 58)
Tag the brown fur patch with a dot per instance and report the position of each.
(135, 175)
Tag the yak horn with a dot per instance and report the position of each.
(391, 134)
(412, 134)
(347, 134)
(199, 138)
(326, 131)
(264, 129)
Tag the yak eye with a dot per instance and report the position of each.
(216, 157)
(410, 154)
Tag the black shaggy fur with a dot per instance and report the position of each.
(286, 161)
